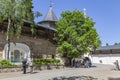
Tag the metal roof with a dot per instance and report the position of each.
(108, 47)
(27, 21)
(50, 16)
(51, 28)
(40, 25)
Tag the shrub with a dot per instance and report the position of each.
(38, 61)
(5, 63)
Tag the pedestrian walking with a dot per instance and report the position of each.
(24, 65)
(31, 66)
(116, 65)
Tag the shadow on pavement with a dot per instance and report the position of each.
(93, 66)
(31, 73)
(75, 78)
(113, 78)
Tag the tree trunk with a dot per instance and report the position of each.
(8, 37)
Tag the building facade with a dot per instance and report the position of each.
(106, 54)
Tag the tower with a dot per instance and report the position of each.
(84, 12)
(50, 19)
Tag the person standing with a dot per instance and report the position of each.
(24, 65)
(116, 65)
(31, 66)
(73, 63)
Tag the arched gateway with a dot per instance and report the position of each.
(18, 52)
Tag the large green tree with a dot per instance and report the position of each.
(14, 12)
(76, 34)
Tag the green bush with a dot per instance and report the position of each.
(57, 61)
(38, 61)
(5, 63)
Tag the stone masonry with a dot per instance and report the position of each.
(38, 46)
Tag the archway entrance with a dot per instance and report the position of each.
(17, 56)
(18, 52)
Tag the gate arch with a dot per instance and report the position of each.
(18, 51)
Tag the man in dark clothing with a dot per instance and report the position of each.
(74, 63)
(24, 65)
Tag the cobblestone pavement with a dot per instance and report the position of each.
(100, 72)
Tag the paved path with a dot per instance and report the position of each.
(100, 72)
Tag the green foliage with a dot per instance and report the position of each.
(75, 34)
(16, 11)
(107, 44)
(37, 14)
(5, 63)
(38, 61)
(117, 43)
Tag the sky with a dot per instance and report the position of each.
(105, 13)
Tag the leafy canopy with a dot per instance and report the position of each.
(75, 34)
(16, 11)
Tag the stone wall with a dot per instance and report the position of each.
(35, 68)
(38, 46)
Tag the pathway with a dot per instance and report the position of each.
(100, 72)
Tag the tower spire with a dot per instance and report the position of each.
(50, 16)
(84, 12)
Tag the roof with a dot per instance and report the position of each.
(50, 16)
(43, 26)
(105, 55)
(40, 25)
(108, 47)
(27, 21)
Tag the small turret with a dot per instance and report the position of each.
(49, 20)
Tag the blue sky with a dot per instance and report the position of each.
(105, 13)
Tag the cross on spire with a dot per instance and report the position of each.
(51, 3)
